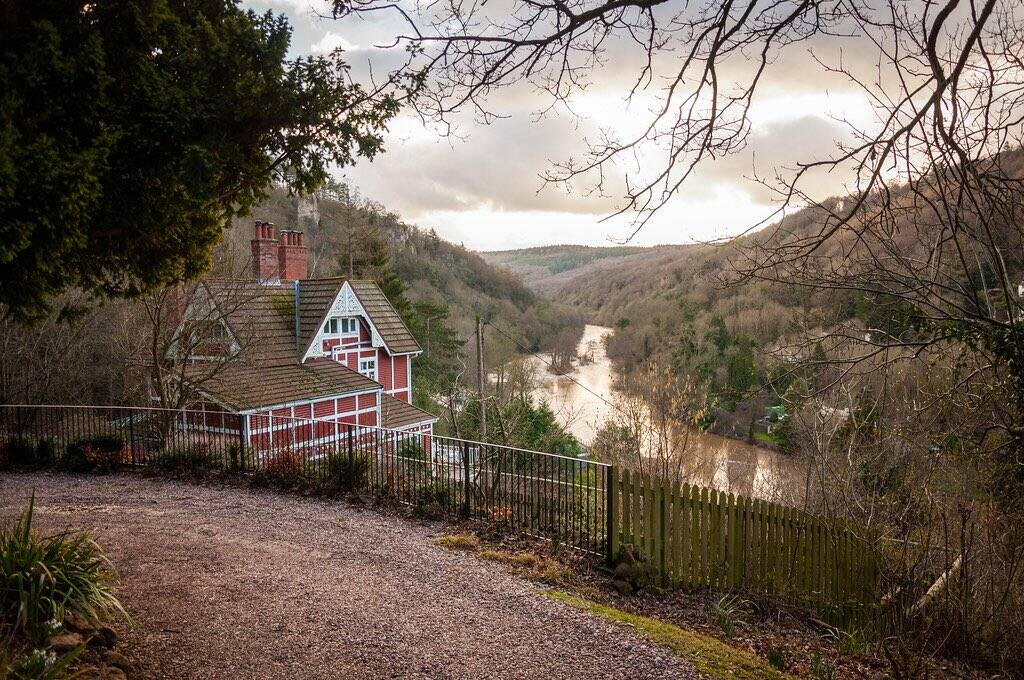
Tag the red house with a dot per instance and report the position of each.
(333, 351)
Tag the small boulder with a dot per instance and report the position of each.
(118, 660)
(77, 623)
(107, 636)
(65, 642)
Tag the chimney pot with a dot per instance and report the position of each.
(294, 256)
(265, 253)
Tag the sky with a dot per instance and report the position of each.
(484, 187)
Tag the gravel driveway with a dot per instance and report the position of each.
(234, 583)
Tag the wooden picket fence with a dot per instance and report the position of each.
(701, 537)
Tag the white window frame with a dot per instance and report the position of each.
(368, 368)
(341, 326)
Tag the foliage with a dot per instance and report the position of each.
(821, 669)
(776, 659)
(186, 460)
(346, 474)
(433, 499)
(632, 573)
(123, 154)
(728, 611)
(45, 578)
(38, 664)
(102, 453)
(283, 467)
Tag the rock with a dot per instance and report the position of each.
(65, 642)
(77, 623)
(118, 660)
(107, 635)
(113, 673)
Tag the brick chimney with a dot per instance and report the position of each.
(293, 256)
(265, 253)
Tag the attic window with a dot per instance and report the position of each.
(341, 326)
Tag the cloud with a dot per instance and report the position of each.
(330, 42)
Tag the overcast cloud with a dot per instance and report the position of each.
(485, 188)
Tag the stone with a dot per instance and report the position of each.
(118, 660)
(77, 623)
(114, 673)
(107, 635)
(65, 642)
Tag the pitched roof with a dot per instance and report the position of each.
(240, 385)
(396, 414)
(385, 318)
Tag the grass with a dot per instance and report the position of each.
(466, 542)
(709, 656)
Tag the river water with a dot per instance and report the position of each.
(583, 401)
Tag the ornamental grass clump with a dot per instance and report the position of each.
(43, 579)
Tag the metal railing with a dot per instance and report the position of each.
(546, 495)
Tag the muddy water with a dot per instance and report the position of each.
(583, 400)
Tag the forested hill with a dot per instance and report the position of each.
(549, 268)
(339, 223)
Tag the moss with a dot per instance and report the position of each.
(531, 565)
(284, 305)
(458, 542)
(708, 655)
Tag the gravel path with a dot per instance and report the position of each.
(233, 583)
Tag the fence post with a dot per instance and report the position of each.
(241, 442)
(465, 479)
(349, 448)
(131, 435)
(612, 513)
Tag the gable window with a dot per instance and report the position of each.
(368, 367)
(341, 326)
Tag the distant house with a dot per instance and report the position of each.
(332, 350)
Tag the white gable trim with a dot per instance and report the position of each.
(346, 303)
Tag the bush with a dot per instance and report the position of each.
(17, 452)
(432, 500)
(346, 474)
(94, 454)
(186, 460)
(43, 579)
(284, 467)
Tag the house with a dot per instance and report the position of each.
(296, 360)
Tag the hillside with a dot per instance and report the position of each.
(436, 271)
(549, 268)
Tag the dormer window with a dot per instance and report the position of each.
(341, 326)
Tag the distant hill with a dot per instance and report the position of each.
(549, 268)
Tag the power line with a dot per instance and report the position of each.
(551, 365)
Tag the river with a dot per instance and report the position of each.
(583, 401)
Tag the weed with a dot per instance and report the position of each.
(728, 611)
(852, 643)
(776, 659)
(821, 669)
(45, 578)
(533, 566)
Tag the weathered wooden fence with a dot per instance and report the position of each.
(695, 536)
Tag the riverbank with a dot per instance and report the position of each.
(584, 399)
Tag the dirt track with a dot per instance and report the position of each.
(233, 583)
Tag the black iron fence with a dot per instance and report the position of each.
(555, 497)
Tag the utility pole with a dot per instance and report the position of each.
(481, 377)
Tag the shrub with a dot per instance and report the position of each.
(632, 573)
(43, 579)
(776, 659)
(17, 452)
(284, 467)
(94, 454)
(432, 500)
(346, 474)
(185, 460)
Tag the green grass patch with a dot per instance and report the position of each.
(709, 656)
